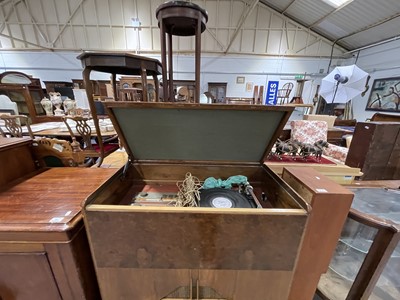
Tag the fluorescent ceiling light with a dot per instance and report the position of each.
(337, 3)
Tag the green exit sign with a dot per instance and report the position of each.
(299, 77)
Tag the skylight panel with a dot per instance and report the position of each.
(337, 3)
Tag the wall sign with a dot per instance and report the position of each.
(272, 91)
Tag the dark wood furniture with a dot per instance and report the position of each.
(27, 93)
(179, 18)
(44, 252)
(375, 149)
(52, 86)
(366, 263)
(347, 123)
(99, 87)
(89, 149)
(16, 158)
(381, 117)
(218, 91)
(284, 93)
(135, 82)
(116, 63)
(119, 63)
(223, 253)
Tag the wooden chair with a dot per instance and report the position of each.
(284, 93)
(130, 94)
(50, 152)
(12, 125)
(91, 150)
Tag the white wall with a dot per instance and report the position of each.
(64, 66)
(381, 61)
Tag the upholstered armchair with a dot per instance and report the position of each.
(307, 131)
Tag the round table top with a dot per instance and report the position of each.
(180, 17)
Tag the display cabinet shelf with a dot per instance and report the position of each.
(366, 262)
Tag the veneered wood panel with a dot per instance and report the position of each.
(139, 237)
(329, 201)
(150, 284)
(375, 148)
(26, 276)
(16, 159)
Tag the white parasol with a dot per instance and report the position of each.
(343, 84)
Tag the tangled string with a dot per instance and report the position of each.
(188, 191)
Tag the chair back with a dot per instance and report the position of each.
(12, 125)
(82, 128)
(50, 152)
(83, 131)
(284, 93)
(130, 94)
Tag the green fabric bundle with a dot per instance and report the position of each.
(212, 182)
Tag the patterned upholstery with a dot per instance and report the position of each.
(307, 131)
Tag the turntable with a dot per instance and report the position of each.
(224, 198)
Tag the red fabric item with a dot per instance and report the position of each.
(299, 159)
(107, 147)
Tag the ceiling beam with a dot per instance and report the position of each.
(42, 35)
(241, 22)
(287, 7)
(66, 23)
(215, 38)
(24, 41)
(7, 16)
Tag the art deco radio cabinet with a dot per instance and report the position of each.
(252, 239)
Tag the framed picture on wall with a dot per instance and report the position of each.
(249, 86)
(240, 80)
(385, 95)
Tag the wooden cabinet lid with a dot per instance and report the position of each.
(218, 133)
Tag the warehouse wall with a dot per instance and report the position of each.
(258, 70)
(380, 62)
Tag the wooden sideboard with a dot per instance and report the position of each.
(44, 251)
(375, 149)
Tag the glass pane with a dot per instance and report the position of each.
(370, 201)
(19, 98)
(353, 245)
(37, 97)
(16, 79)
(388, 286)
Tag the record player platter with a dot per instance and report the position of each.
(223, 198)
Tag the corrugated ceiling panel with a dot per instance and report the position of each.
(361, 39)
(307, 12)
(278, 5)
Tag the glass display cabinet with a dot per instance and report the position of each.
(27, 93)
(366, 263)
